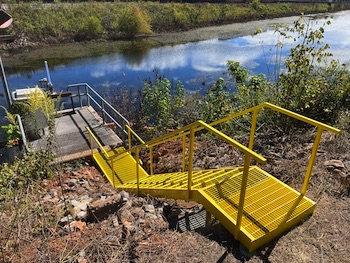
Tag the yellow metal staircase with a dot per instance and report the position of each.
(252, 204)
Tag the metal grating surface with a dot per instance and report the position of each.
(268, 202)
(270, 206)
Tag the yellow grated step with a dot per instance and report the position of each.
(269, 204)
(124, 167)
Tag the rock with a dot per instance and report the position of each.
(77, 225)
(124, 195)
(53, 193)
(335, 164)
(126, 218)
(103, 207)
(115, 221)
(149, 209)
(151, 216)
(66, 219)
(46, 197)
(70, 182)
(138, 212)
(80, 206)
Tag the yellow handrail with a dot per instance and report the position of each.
(281, 110)
(131, 131)
(191, 129)
(92, 135)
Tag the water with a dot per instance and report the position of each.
(196, 65)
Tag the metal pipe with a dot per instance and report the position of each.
(4, 82)
(24, 139)
(151, 160)
(137, 171)
(242, 195)
(190, 163)
(183, 153)
(48, 73)
(311, 161)
(252, 129)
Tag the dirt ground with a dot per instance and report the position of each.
(33, 226)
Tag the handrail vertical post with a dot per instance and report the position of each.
(79, 95)
(252, 129)
(190, 162)
(123, 132)
(311, 161)
(90, 136)
(87, 95)
(151, 160)
(137, 171)
(112, 172)
(103, 112)
(183, 153)
(242, 195)
(129, 137)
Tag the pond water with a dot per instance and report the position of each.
(197, 65)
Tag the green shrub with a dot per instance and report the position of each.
(31, 167)
(91, 28)
(133, 21)
(313, 84)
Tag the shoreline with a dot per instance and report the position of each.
(26, 57)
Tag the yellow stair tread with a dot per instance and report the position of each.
(268, 202)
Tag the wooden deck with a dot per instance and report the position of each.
(71, 140)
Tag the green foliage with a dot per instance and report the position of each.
(33, 166)
(218, 102)
(313, 84)
(160, 108)
(12, 131)
(91, 28)
(156, 102)
(134, 21)
(83, 21)
(250, 90)
(12, 134)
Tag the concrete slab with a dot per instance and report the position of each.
(71, 137)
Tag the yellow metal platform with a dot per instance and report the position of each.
(252, 204)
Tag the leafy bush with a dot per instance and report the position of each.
(160, 108)
(31, 167)
(134, 21)
(38, 21)
(312, 84)
(218, 102)
(11, 130)
(91, 28)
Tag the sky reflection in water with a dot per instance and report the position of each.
(197, 65)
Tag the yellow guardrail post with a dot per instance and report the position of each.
(112, 172)
(183, 153)
(129, 136)
(252, 129)
(190, 162)
(151, 160)
(311, 161)
(90, 137)
(137, 171)
(242, 194)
